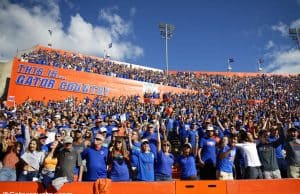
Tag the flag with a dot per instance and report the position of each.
(50, 32)
(261, 61)
(110, 45)
(230, 60)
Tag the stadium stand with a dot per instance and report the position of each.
(55, 93)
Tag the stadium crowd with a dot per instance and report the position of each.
(106, 67)
(230, 128)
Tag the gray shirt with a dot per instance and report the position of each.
(292, 147)
(267, 156)
(67, 161)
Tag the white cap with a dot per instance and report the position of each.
(103, 129)
(144, 140)
(188, 144)
(114, 129)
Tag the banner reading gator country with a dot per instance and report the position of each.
(41, 82)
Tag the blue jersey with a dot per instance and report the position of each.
(119, 169)
(208, 152)
(146, 166)
(187, 166)
(134, 156)
(184, 131)
(278, 149)
(170, 124)
(164, 164)
(192, 137)
(96, 162)
(226, 164)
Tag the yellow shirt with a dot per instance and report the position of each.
(50, 163)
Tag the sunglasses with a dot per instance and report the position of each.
(98, 139)
(166, 145)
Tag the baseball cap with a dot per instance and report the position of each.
(144, 141)
(43, 136)
(187, 145)
(68, 139)
(103, 129)
(99, 120)
(114, 129)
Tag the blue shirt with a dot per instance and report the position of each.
(134, 156)
(170, 124)
(226, 164)
(184, 130)
(146, 166)
(164, 163)
(119, 170)
(187, 166)
(192, 137)
(96, 161)
(208, 152)
(278, 149)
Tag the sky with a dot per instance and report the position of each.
(207, 32)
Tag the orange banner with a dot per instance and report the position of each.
(41, 82)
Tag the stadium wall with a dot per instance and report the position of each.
(104, 186)
(41, 82)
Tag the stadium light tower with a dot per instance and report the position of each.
(295, 35)
(166, 31)
(50, 37)
(260, 63)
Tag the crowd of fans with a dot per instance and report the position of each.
(230, 128)
(106, 67)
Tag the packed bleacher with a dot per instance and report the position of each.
(231, 128)
(106, 67)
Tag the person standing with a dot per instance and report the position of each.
(165, 160)
(207, 155)
(187, 162)
(145, 166)
(225, 158)
(135, 149)
(248, 151)
(10, 163)
(267, 155)
(32, 159)
(49, 166)
(96, 159)
(119, 160)
(292, 143)
(68, 159)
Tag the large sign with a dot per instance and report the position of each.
(42, 82)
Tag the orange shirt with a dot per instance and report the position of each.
(10, 160)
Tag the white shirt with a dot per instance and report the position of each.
(249, 152)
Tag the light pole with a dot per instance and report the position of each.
(50, 40)
(166, 31)
(295, 35)
(260, 62)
